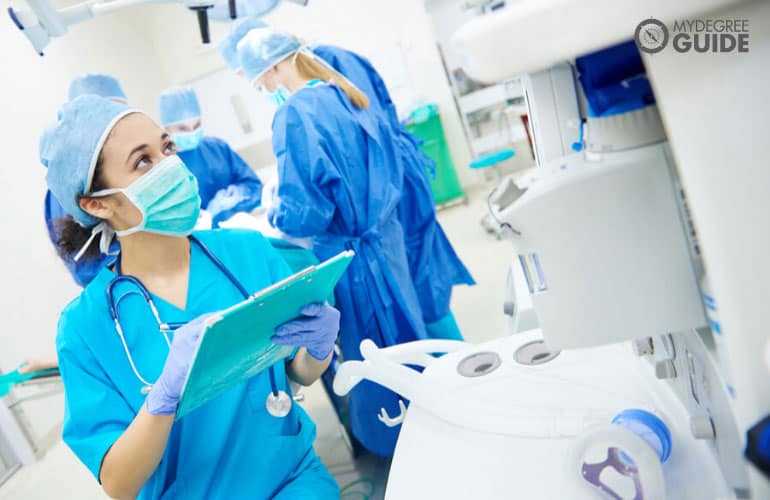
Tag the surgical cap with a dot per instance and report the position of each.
(71, 147)
(178, 105)
(101, 85)
(261, 49)
(229, 46)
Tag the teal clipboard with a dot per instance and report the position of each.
(235, 344)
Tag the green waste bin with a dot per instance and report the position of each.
(425, 123)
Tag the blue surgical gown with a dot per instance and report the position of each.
(339, 182)
(433, 263)
(228, 448)
(216, 166)
(84, 270)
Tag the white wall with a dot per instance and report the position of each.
(35, 284)
(369, 27)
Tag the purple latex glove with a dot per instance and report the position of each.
(163, 398)
(316, 330)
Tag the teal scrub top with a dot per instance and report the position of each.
(228, 448)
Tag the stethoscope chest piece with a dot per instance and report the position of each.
(278, 406)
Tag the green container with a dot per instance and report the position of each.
(446, 186)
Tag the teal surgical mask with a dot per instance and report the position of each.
(279, 97)
(167, 196)
(185, 141)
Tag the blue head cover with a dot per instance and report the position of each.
(178, 105)
(70, 149)
(97, 84)
(261, 49)
(229, 46)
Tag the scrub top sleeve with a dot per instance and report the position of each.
(95, 415)
(303, 206)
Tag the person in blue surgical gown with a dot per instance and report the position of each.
(227, 184)
(340, 179)
(117, 173)
(433, 263)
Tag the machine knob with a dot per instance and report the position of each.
(665, 369)
(702, 427)
(642, 347)
(508, 308)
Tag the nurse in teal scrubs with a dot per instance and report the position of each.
(117, 174)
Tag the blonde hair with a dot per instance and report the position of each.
(310, 69)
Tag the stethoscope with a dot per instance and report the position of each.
(278, 403)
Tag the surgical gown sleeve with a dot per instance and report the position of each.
(95, 415)
(306, 174)
(248, 183)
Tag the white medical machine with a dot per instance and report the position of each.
(42, 20)
(641, 246)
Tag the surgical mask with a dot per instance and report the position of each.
(185, 141)
(279, 97)
(167, 196)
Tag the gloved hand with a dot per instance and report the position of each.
(269, 192)
(163, 398)
(225, 199)
(316, 330)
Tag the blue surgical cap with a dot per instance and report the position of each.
(101, 85)
(229, 46)
(71, 147)
(261, 49)
(178, 105)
